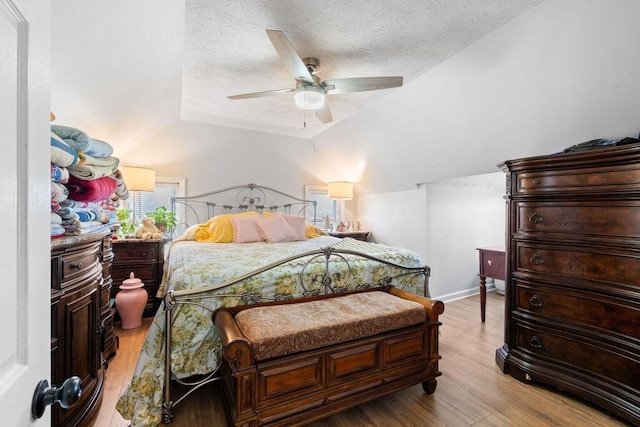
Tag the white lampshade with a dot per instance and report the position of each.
(341, 190)
(309, 97)
(139, 179)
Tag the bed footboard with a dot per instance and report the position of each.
(312, 280)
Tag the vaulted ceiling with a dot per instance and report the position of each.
(227, 52)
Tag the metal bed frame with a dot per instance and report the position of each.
(253, 197)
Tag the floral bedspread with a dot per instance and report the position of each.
(195, 342)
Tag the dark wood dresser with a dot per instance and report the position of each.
(572, 317)
(145, 258)
(110, 341)
(81, 321)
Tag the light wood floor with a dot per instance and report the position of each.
(471, 391)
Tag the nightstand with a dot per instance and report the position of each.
(358, 235)
(145, 258)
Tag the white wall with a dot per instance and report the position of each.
(462, 215)
(443, 222)
(398, 218)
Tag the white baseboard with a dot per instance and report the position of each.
(462, 294)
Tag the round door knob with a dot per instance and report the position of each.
(66, 396)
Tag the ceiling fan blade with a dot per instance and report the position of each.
(261, 94)
(324, 114)
(361, 84)
(291, 59)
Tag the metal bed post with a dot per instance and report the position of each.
(167, 404)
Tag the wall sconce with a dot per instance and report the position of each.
(137, 180)
(341, 190)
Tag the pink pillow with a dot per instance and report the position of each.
(276, 229)
(245, 229)
(299, 226)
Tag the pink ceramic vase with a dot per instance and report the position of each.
(131, 301)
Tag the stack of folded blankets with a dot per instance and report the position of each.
(86, 184)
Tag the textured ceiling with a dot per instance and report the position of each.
(227, 52)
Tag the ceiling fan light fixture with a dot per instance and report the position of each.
(309, 97)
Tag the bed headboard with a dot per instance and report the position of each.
(242, 198)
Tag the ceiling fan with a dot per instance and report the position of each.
(310, 91)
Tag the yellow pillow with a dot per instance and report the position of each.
(219, 229)
(310, 231)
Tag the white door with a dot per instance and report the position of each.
(24, 210)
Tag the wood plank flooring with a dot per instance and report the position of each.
(471, 391)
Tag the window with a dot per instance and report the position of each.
(166, 188)
(326, 207)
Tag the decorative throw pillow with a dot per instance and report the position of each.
(312, 231)
(218, 229)
(276, 229)
(297, 223)
(245, 229)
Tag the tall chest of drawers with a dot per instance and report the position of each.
(572, 314)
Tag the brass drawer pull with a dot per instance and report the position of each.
(536, 259)
(536, 218)
(535, 301)
(77, 266)
(537, 181)
(536, 343)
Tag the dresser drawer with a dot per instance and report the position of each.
(596, 361)
(580, 219)
(589, 263)
(582, 180)
(593, 310)
(492, 264)
(136, 252)
(76, 266)
(145, 273)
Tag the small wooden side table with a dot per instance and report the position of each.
(358, 235)
(492, 264)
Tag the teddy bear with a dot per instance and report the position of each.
(148, 230)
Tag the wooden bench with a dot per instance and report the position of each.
(293, 372)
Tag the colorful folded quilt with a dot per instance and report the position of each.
(88, 172)
(58, 192)
(111, 205)
(94, 190)
(81, 141)
(57, 231)
(83, 231)
(77, 225)
(86, 159)
(82, 214)
(121, 190)
(59, 174)
(56, 219)
(55, 206)
(62, 154)
(75, 204)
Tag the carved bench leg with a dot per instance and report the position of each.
(429, 387)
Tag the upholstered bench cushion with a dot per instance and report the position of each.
(277, 330)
